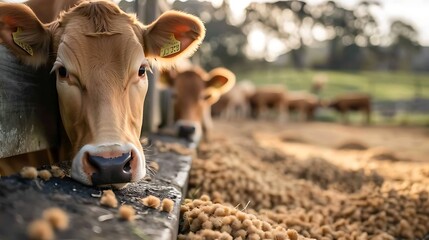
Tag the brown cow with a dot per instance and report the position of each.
(352, 102)
(266, 98)
(304, 103)
(195, 91)
(100, 55)
(235, 103)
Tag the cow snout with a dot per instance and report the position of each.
(189, 130)
(110, 170)
(112, 164)
(186, 132)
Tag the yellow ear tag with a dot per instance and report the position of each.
(171, 47)
(22, 45)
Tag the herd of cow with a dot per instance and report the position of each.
(246, 100)
(199, 96)
(100, 56)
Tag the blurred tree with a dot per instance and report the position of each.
(289, 21)
(355, 31)
(404, 45)
(224, 42)
(352, 35)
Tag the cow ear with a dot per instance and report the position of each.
(173, 35)
(211, 95)
(220, 79)
(23, 33)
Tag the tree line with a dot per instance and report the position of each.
(353, 37)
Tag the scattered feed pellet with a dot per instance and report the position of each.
(44, 174)
(151, 201)
(108, 199)
(127, 212)
(173, 147)
(57, 172)
(56, 217)
(167, 205)
(29, 172)
(40, 230)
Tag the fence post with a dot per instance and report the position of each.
(28, 107)
(148, 11)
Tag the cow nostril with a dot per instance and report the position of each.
(92, 162)
(127, 166)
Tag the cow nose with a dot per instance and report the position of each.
(111, 170)
(186, 132)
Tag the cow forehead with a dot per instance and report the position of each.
(86, 52)
(189, 83)
(98, 33)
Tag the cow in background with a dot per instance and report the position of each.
(195, 91)
(304, 104)
(235, 103)
(268, 102)
(358, 102)
(100, 55)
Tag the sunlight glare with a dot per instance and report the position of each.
(257, 40)
(238, 10)
(319, 33)
(275, 48)
(216, 3)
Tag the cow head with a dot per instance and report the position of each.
(195, 91)
(100, 56)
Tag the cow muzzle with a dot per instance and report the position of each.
(186, 132)
(111, 170)
(189, 130)
(108, 164)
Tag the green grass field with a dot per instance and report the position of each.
(381, 85)
(390, 86)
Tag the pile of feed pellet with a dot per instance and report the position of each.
(204, 219)
(313, 197)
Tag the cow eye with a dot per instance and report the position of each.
(142, 71)
(62, 72)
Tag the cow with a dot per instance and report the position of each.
(100, 56)
(195, 91)
(235, 103)
(269, 97)
(303, 103)
(345, 103)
